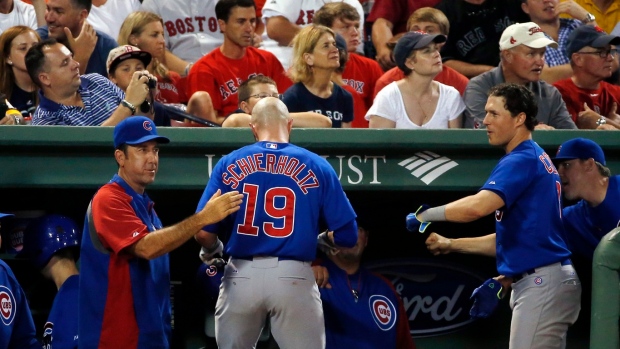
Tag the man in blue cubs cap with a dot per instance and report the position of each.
(124, 293)
(16, 324)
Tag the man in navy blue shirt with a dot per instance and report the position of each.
(66, 22)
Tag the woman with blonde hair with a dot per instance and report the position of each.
(145, 30)
(15, 82)
(315, 58)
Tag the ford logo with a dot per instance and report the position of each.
(435, 294)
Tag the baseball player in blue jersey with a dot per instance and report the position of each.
(524, 191)
(272, 239)
(16, 324)
(52, 244)
(370, 299)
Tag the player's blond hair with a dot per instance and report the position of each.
(304, 42)
(134, 25)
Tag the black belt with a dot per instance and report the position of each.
(532, 271)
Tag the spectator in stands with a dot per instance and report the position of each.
(285, 18)
(591, 102)
(547, 15)
(145, 30)
(431, 21)
(475, 31)
(16, 12)
(417, 101)
(258, 87)
(221, 71)
(66, 22)
(66, 98)
(605, 12)
(522, 50)
(389, 18)
(107, 16)
(315, 58)
(15, 82)
(192, 29)
(360, 73)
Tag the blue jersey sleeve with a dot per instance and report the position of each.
(215, 183)
(510, 178)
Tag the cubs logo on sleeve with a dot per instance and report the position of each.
(383, 312)
(48, 332)
(7, 305)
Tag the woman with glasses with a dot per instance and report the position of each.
(15, 82)
(315, 58)
(417, 101)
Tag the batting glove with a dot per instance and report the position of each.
(325, 244)
(207, 255)
(413, 223)
(486, 297)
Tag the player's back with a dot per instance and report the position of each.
(288, 192)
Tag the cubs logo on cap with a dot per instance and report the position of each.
(135, 130)
(383, 312)
(7, 305)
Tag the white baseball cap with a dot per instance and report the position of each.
(528, 34)
(124, 52)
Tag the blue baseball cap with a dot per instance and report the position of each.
(341, 43)
(135, 130)
(580, 148)
(413, 41)
(588, 35)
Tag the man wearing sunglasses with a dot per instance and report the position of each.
(591, 101)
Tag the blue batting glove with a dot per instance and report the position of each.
(413, 223)
(486, 297)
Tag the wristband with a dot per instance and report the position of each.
(131, 107)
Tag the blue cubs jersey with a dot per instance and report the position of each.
(338, 107)
(16, 326)
(586, 225)
(287, 191)
(124, 301)
(61, 329)
(363, 311)
(529, 227)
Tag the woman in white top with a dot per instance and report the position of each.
(417, 101)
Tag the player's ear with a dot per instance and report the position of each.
(520, 118)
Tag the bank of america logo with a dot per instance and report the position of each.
(427, 166)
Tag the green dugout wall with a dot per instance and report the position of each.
(386, 174)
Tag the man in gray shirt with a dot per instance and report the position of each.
(522, 51)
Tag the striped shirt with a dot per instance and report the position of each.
(99, 96)
(557, 56)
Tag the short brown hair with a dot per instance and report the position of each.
(245, 89)
(429, 14)
(327, 14)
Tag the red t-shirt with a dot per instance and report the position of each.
(361, 74)
(599, 100)
(397, 11)
(359, 110)
(447, 76)
(171, 90)
(221, 76)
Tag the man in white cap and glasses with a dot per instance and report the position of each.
(522, 50)
(16, 324)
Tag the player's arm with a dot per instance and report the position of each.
(164, 240)
(467, 209)
(481, 245)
